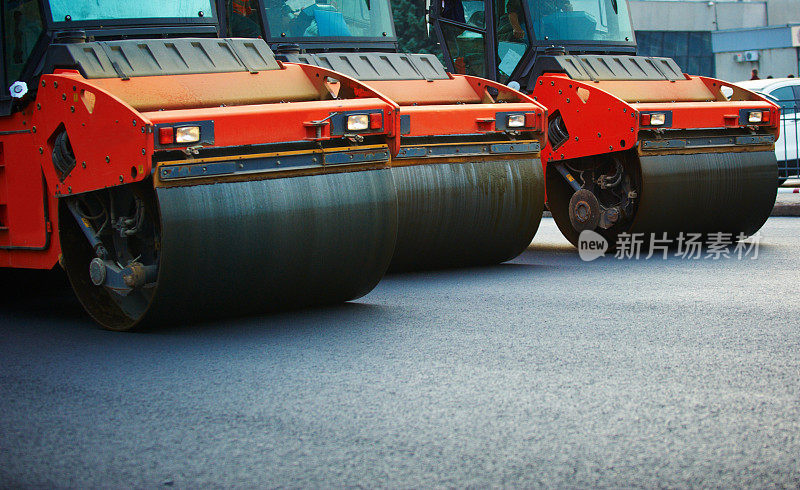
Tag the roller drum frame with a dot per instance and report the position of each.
(237, 248)
(466, 213)
(714, 192)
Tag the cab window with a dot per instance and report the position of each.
(579, 20)
(329, 18)
(243, 20)
(22, 26)
(82, 10)
(463, 26)
(512, 36)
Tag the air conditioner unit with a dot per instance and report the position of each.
(751, 55)
(738, 57)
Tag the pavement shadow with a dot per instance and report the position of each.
(333, 317)
(39, 294)
(36, 297)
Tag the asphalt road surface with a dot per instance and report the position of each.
(544, 371)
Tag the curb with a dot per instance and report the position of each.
(787, 202)
(786, 209)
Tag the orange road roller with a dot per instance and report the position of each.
(177, 176)
(634, 144)
(468, 173)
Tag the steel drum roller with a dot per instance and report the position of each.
(245, 247)
(706, 193)
(461, 214)
(727, 192)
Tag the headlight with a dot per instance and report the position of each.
(357, 122)
(754, 117)
(187, 134)
(516, 120)
(658, 119)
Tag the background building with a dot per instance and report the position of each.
(722, 38)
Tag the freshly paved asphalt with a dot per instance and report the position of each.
(544, 371)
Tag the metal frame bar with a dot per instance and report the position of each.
(790, 166)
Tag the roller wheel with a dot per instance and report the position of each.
(607, 202)
(126, 221)
(171, 256)
(701, 193)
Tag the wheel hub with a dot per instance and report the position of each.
(584, 210)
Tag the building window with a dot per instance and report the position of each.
(691, 50)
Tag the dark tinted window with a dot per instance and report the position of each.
(467, 49)
(21, 30)
(243, 20)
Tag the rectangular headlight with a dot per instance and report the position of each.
(754, 116)
(658, 119)
(357, 122)
(187, 134)
(516, 120)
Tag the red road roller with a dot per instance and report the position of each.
(468, 174)
(185, 177)
(634, 144)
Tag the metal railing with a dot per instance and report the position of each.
(786, 148)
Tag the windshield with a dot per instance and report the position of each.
(580, 20)
(78, 10)
(329, 18)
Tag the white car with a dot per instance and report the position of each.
(786, 93)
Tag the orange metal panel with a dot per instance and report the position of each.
(459, 105)
(689, 90)
(214, 89)
(598, 122)
(422, 92)
(23, 198)
(111, 141)
(738, 93)
(465, 119)
(694, 115)
(272, 123)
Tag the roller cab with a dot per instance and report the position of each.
(192, 178)
(467, 170)
(634, 145)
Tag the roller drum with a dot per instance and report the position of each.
(235, 248)
(463, 214)
(706, 193)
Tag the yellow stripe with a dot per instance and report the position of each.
(462, 143)
(274, 154)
